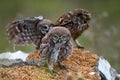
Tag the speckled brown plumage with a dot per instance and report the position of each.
(29, 30)
(77, 21)
(55, 47)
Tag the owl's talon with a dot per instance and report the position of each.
(32, 62)
(62, 66)
(51, 70)
(80, 47)
(40, 64)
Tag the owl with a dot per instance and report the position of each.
(77, 21)
(56, 47)
(29, 30)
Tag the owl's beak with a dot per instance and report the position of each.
(57, 45)
(59, 41)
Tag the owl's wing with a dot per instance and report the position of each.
(45, 50)
(65, 51)
(24, 31)
(75, 17)
(63, 20)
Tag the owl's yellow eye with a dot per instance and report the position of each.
(64, 37)
(55, 36)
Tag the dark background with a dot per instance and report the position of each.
(102, 38)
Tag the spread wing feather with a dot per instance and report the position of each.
(24, 31)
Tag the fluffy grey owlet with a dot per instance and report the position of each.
(29, 30)
(55, 47)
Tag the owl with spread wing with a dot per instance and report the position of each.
(29, 30)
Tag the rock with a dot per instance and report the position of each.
(81, 65)
(106, 71)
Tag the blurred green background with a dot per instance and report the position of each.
(102, 38)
